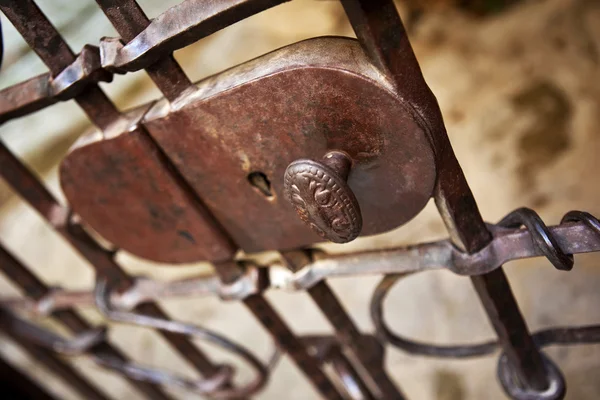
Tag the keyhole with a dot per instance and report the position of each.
(261, 183)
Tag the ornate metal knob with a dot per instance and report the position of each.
(322, 198)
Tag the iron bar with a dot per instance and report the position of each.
(329, 351)
(474, 249)
(129, 20)
(282, 334)
(348, 375)
(142, 291)
(113, 313)
(26, 97)
(578, 233)
(542, 338)
(64, 371)
(87, 341)
(379, 28)
(47, 43)
(381, 386)
(16, 385)
(44, 90)
(508, 244)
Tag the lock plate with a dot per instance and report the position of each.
(296, 102)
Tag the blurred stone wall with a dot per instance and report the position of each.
(520, 93)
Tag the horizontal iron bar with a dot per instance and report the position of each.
(508, 245)
(179, 26)
(44, 90)
(150, 50)
(129, 19)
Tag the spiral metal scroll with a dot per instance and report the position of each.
(542, 238)
(102, 294)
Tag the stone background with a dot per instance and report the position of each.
(520, 93)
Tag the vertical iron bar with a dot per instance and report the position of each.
(379, 28)
(346, 331)
(350, 376)
(64, 371)
(129, 20)
(36, 289)
(16, 385)
(283, 335)
(47, 43)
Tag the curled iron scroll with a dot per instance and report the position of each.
(87, 341)
(553, 336)
(103, 294)
(215, 386)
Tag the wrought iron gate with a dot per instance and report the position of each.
(331, 186)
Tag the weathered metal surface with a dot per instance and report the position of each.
(134, 200)
(45, 40)
(333, 86)
(392, 176)
(26, 97)
(321, 197)
(131, 23)
(44, 90)
(76, 76)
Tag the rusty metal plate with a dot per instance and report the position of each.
(123, 187)
(297, 102)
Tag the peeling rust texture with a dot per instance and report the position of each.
(136, 203)
(297, 102)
